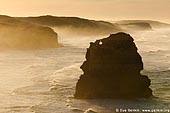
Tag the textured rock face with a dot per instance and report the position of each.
(112, 70)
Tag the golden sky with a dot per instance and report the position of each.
(93, 9)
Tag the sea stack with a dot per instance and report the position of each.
(112, 70)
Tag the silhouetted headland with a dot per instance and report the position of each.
(81, 26)
(42, 31)
(16, 34)
(135, 26)
(143, 24)
(112, 70)
(74, 24)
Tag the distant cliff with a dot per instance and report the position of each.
(142, 24)
(81, 26)
(16, 34)
(38, 32)
(134, 26)
(74, 25)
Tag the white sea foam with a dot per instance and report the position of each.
(44, 81)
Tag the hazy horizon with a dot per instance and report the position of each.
(91, 9)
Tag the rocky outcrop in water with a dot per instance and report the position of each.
(112, 70)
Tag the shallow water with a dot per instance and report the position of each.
(43, 81)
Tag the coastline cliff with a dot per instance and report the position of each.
(18, 35)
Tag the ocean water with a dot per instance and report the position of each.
(43, 81)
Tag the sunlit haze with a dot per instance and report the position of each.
(92, 9)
